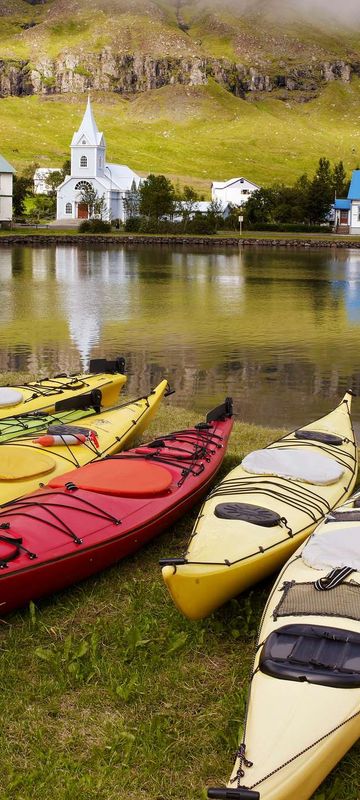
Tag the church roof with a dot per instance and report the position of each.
(88, 128)
(121, 176)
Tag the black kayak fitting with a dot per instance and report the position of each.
(319, 436)
(232, 794)
(81, 403)
(313, 653)
(221, 412)
(99, 365)
(257, 515)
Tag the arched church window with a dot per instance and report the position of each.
(83, 161)
(68, 208)
(83, 185)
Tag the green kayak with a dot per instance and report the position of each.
(38, 422)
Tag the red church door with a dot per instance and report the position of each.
(83, 211)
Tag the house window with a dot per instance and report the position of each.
(358, 213)
(68, 208)
(83, 161)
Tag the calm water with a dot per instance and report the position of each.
(279, 331)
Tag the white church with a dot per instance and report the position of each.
(89, 167)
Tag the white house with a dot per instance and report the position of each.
(89, 168)
(347, 211)
(6, 190)
(235, 191)
(40, 179)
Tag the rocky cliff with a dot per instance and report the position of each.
(110, 71)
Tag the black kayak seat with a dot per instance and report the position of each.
(313, 653)
(257, 515)
(319, 436)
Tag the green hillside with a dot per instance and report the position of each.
(51, 52)
(198, 134)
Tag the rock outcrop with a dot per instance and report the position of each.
(109, 71)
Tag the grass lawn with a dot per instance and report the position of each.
(109, 693)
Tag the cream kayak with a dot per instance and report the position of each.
(27, 464)
(304, 705)
(262, 510)
(41, 395)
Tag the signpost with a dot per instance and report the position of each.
(241, 220)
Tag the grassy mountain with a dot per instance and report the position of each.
(253, 32)
(200, 91)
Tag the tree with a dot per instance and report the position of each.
(132, 202)
(53, 180)
(95, 202)
(340, 182)
(321, 193)
(23, 186)
(157, 197)
(260, 206)
(66, 169)
(188, 200)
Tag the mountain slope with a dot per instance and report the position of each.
(197, 134)
(174, 79)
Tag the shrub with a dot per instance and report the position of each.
(95, 226)
(202, 223)
(294, 227)
(133, 224)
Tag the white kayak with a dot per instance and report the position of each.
(304, 705)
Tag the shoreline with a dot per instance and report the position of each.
(66, 238)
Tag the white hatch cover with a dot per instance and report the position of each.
(295, 464)
(337, 546)
(10, 397)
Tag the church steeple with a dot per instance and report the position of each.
(88, 147)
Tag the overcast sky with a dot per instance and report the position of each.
(346, 11)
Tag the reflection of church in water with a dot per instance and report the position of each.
(86, 280)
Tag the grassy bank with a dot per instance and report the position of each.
(45, 233)
(108, 693)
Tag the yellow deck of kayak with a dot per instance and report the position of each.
(225, 557)
(25, 465)
(308, 725)
(43, 394)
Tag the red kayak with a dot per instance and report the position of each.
(91, 517)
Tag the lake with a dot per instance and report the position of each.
(278, 330)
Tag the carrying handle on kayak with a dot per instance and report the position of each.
(98, 365)
(241, 793)
(221, 412)
(172, 562)
(169, 391)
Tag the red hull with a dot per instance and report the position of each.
(76, 532)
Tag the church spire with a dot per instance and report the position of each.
(88, 127)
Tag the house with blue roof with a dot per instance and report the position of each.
(6, 190)
(347, 211)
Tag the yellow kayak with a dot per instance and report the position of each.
(27, 464)
(262, 510)
(106, 376)
(304, 706)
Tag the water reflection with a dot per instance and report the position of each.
(277, 330)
